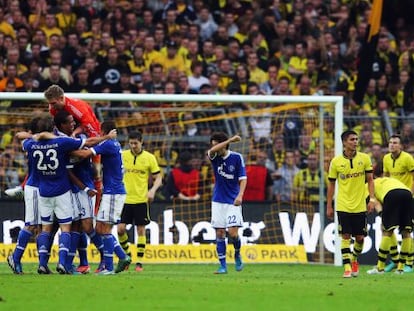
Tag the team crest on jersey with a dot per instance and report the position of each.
(232, 168)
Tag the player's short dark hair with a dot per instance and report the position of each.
(396, 136)
(346, 134)
(33, 125)
(219, 137)
(45, 124)
(107, 126)
(60, 118)
(135, 135)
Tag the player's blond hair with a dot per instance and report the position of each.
(53, 92)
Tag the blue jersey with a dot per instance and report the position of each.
(228, 172)
(32, 173)
(50, 158)
(82, 169)
(112, 168)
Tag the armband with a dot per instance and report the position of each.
(86, 189)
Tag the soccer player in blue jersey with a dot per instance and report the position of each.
(50, 158)
(81, 174)
(113, 198)
(230, 184)
(32, 215)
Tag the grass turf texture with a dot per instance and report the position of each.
(195, 287)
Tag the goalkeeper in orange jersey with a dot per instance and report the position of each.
(85, 117)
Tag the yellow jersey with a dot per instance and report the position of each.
(383, 185)
(400, 168)
(137, 170)
(350, 175)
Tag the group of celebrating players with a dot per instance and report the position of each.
(62, 185)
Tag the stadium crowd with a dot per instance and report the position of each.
(273, 47)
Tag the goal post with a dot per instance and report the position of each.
(161, 126)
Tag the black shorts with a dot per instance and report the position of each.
(352, 223)
(397, 210)
(136, 214)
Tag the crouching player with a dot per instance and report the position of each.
(395, 200)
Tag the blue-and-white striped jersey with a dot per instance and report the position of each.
(50, 158)
(112, 167)
(228, 171)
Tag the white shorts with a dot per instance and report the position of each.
(31, 202)
(226, 215)
(61, 206)
(84, 205)
(110, 209)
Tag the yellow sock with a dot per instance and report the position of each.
(410, 257)
(406, 246)
(393, 248)
(123, 241)
(357, 250)
(383, 251)
(142, 240)
(346, 254)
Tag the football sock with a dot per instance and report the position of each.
(383, 251)
(393, 248)
(357, 250)
(74, 239)
(64, 246)
(108, 251)
(43, 243)
(83, 249)
(237, 245)
(123, 240)
(22, 240)
(410, 257)
(97, 241)
(346, 254)
(406, 245)
(221, 251)
(118, 249)
(142, 240)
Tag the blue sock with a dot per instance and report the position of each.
(22, 240)
(74, 239)
(221, 251)
(43, 246)
(237, 245)
(97, 241)
(118, 249)
(64, 246)
(108, 251)
(83, 250)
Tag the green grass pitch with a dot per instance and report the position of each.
(195, 287)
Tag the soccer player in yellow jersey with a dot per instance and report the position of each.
(139, 165)
(350, 170)
(399, 164)
(396, 201)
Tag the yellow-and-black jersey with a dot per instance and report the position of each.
(350, 174)
(383, 185)
(400, 168)
(137, 169)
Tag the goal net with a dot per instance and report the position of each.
(287, 143)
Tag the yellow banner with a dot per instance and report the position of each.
(259, 253)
